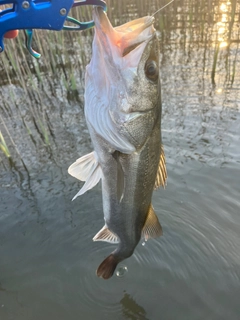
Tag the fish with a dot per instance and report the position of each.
(123, 113)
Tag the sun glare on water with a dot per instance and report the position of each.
(222, 26)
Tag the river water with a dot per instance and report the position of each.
(48, 259)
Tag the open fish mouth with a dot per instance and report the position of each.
(126, 37)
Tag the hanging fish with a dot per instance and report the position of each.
(123, 114)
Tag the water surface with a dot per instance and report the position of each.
(48, 259)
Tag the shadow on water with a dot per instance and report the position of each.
(131, 310)
(48, 260)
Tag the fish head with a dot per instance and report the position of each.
(124, 68)
(142, 81)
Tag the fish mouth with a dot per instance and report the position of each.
(126, 37)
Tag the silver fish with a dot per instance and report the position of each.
(123, 114)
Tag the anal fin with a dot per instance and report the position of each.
(106, 235)
(161, 178)
(152, 227)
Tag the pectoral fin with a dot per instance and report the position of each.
(161, 178)
(152, 227)
(83, 167)
(86, 169)
(106, 235)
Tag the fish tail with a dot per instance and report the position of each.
(107, 267)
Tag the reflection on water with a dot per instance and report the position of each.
(222, 26)
(131, 310)
(48, 260)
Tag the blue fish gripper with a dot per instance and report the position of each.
(41, 14)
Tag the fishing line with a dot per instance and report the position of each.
(162, 8)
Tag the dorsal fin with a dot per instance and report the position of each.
(106, 235)
(152, 227)
(161, 178)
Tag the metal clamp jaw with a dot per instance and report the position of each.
(41, 14)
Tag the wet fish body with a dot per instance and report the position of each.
(123, 114)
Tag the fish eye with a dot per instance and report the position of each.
(151, 70)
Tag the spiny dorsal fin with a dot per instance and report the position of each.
(152, 227)
(161, 178)
(86, 169)
(106, 235)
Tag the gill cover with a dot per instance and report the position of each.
(115, 50)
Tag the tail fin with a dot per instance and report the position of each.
(107, 267)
